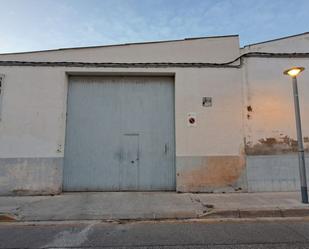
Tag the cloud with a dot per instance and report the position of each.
(35, 25)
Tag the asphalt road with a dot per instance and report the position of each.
(211, 234)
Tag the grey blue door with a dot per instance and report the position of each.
(120, 134)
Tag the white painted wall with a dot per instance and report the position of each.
(270, 93)
(34, 101)
(33, 112)
(293, 44)
(219, 128)
(216, 49)
(34, 107)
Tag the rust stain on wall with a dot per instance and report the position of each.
(249, 110)
(274, 146)
(213, 172)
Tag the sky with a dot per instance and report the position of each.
(28, 25)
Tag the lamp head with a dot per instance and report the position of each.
(294, 71)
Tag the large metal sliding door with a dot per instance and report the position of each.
(120, 134)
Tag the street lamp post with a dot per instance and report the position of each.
(293, 72)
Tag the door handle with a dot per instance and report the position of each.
(165, 148)
(136, 160)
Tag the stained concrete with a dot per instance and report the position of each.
(211, 174)
(103, 205)
(43, 176)
(152, 205)
(274, 173)
(30, 176)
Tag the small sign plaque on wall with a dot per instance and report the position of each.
(207, 101)
(191, 119)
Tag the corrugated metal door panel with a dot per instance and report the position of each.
(90, 161)
(112, 120)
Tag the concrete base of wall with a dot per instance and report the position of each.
(274, 173)
(211, 174)
(30, 176)
(43, 176)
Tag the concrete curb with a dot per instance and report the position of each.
(257, 213)
(213, 214)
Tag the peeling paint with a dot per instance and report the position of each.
(274, 146)
(212, 174)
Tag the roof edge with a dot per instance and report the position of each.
(122, 44)
(277, 39)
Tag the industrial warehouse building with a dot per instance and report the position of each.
(193, 115)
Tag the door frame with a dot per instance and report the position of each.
(69, 74)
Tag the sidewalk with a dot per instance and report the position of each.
(150, 205)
